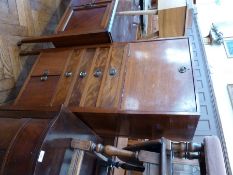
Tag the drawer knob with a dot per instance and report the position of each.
(43, 78)
(97, 73)
(68, 74)
(182, 69)
(112, 72)
(82, 74)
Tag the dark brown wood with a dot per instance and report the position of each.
(26, 139)
(150, 94)
(21, 144)
(53, 64)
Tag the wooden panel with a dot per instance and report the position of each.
(52, 61)
(38, 92)
(153, 81)
(84, 20)
(135, 124)
(65, 82)
(111, 87)
(172, 22)
(167, 4)
(84, 66)
(25, 148)
(90, 94)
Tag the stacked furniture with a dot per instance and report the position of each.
(137, 89)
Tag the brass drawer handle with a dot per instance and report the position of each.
(68, 74)
(44, 76)
(112, 72)
(82, 74)
(97, 73)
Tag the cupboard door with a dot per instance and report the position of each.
(37, 92)
(159, 77)
(85, 20)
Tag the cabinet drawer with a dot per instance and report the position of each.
(37, 92)
(110, 91)
(52, 62)
(48, 83)
(95, 77)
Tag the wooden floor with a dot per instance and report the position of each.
(22, 18)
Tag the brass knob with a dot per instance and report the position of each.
(97, 72)
(112, 72)
(182, 69)
(43, 78)
(68, 74)
(82, 74)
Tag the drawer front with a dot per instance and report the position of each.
(43, 83)
(67, 78)
(52, 62)
(83, 71)
(37, 92)
(111, 87)
(94, 79)
(159, 77)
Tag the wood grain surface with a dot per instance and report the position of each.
(19, 19)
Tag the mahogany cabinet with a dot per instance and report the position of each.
(143, 89)
(42, 146)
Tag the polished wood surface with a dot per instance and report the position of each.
(91, 91)
(20, 144)
(53, 66)
(110, 90)
(150, 94)
(153, 81)
(28, 138)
